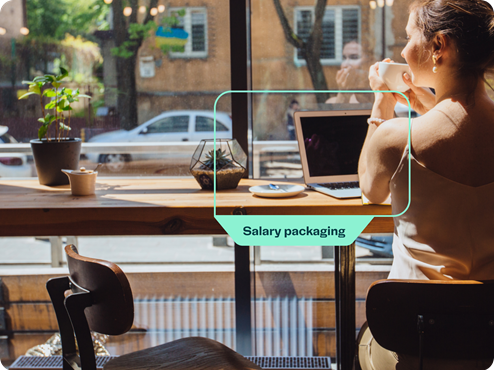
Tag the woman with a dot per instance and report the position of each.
(352, 76)
(447, 231)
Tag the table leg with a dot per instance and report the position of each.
(344, 262)
(243, 318)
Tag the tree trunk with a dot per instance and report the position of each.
(311, 49)
(127, 93)
(126, 67)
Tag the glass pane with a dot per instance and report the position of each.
(352, 40)
(130, 81)
(207, 124)
(170, 124)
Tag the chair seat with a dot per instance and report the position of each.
(193, 353)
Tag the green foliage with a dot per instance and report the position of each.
(221, 159)
(137, 33)
(61, 99)
(141, 32)
(53, 19)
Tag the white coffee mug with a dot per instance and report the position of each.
(392, 75)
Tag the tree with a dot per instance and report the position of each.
(128, 38)
(310, 48)
(48, 19)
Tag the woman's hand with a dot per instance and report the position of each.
(384, 103)
(421, 99)
(375, 81)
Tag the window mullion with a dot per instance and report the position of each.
(338, 34)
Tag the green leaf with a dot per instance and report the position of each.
(48, 78)
(35, 88)
(67, 108)
(50, 93)
(61, 104)
(48, 119)
(42, 131)
(63, 73)
(84, 96)
(50, 105)
(56, 84)
(26, 95)
(44, 79)
(63, 126)
(181, 13)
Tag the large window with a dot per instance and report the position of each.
(194, 22)
(340, 25)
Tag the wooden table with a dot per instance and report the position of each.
(164, 206)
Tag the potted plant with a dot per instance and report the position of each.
(230, 164)
(54, 153)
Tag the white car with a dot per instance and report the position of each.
(12, 164)
(172, 126)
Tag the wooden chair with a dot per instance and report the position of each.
(100, 299)
(433, 319)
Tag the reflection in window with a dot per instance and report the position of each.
(195, 24)
(207, 124)
(340, 25)
(170, 124)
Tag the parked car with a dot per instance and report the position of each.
(379, 245)
(12, 164)
(172, 126)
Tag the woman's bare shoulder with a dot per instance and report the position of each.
(393, 133)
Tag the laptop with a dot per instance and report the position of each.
(330, 143)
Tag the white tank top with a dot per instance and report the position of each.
(448, 230)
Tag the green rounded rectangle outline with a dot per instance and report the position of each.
(280, 230)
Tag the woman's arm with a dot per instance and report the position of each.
(380, 156)
(384, 143)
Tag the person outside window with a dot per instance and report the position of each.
(352, 76)
(290, 124)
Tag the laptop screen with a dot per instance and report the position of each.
(333, 143)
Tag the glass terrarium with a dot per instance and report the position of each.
(230, 164)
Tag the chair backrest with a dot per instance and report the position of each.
(100, 300)
(112, 310)
(457, 317)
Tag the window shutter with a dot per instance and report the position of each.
(350, 20)
(198, 31)
(304, 25)
(328, 39)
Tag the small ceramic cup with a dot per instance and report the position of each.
(392, 75)
(82, 181)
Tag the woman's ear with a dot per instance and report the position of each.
(439, 45)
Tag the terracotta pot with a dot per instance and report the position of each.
(52, 156)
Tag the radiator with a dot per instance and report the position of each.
(282, 326)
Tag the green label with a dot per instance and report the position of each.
(294, 230)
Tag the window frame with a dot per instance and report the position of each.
(188, 52)
(338, 32)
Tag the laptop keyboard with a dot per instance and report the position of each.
(341, 185)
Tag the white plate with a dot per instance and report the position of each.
(283, 192)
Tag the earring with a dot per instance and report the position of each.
(434, 69)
